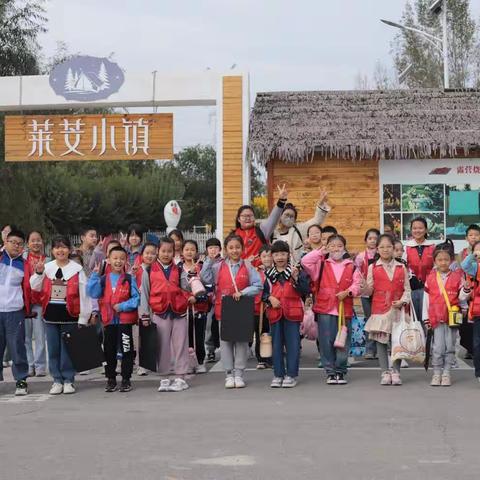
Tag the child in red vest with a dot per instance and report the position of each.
(232, 277)
(388, 285)
(337, 280)
(65, 306)
(472, 288)
(197, 312)
(164, 301)
(419, 256)
(265, 255)
(442, 282)
(472, 236)
(283, 290)
(118, 300)
(362, 261)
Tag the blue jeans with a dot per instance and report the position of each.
(35, 330)
(59, 363)
(417, 300)
(285, 346)
(334, 360)
(370, 345)
(12, 334)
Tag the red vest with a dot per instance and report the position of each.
(291, 303)
(258, 298)
(31, 261)
(110, 298)
(225, 285)
(73, 295)
(325, 298)
(365, 264)
(474, 307)
(437, 307)
(252, 244)
(165, 293)
(138, 276)
(421, 267)
(386, 291)
(465, 253)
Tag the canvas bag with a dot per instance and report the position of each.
(408, 338)
(455, 317)
(342, 332)
(266, 350)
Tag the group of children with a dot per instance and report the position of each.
(128, 284)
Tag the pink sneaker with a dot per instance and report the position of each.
(396, 380)
(386, 378)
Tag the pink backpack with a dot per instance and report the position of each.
(309, 328)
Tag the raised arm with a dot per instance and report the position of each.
(268, 225)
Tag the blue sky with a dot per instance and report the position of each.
(284, 44)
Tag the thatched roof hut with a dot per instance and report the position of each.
(374, 151)
(393, 124)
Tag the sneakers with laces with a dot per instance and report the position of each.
(164, 385)
(21, 388)
(68, 388)
(289, 382)
(229, 382)
(386, 378)
(125, 386)
(178, 385)
(111, 385)
(276, 382)
(142, 372)
(56, 389)
(436, 381)
(396, 380)
(332, 380)
(446, 380)
(341, 379)
(201, 369)
(239, 382)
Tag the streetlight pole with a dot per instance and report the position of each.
(440, 44)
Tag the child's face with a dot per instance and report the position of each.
(189, 252)
(61, 252)
(149, 255)
(266, 259)
(7, 229)
(385, 249)
(213, 251)
(473, 236)
(14, 246)
(165, 253)
(178, 243)
(443, 261)
(324, 238)
(398, 250)
(335, 248)
(280, 259)
(314, 236)
(371, 241)
(117, 261)
(35, 242)
(388, 229)
(134, 239)
(90, 239)
(234, 250)
(418, 231)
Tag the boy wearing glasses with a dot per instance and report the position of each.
(14, 295)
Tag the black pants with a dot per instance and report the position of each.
(118, 338)
(265, 329)
(197, 324)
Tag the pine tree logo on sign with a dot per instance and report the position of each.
(85, 79)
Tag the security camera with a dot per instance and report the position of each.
(436, 7)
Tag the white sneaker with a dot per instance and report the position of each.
(239, 382)
(57, 389)
(289, 382)
(178, 385)
(164, 385)
(142, 372)
(201, 369)
(68, 388)
(276, 382)
(229, 382)
(21, 388)
(86, 372)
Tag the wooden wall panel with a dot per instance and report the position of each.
(232, 149)
(353, 192)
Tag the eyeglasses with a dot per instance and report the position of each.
(15, 243)
(247, 217)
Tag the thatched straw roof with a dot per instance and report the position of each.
(393, 124)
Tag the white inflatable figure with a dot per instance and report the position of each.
(172, 213)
